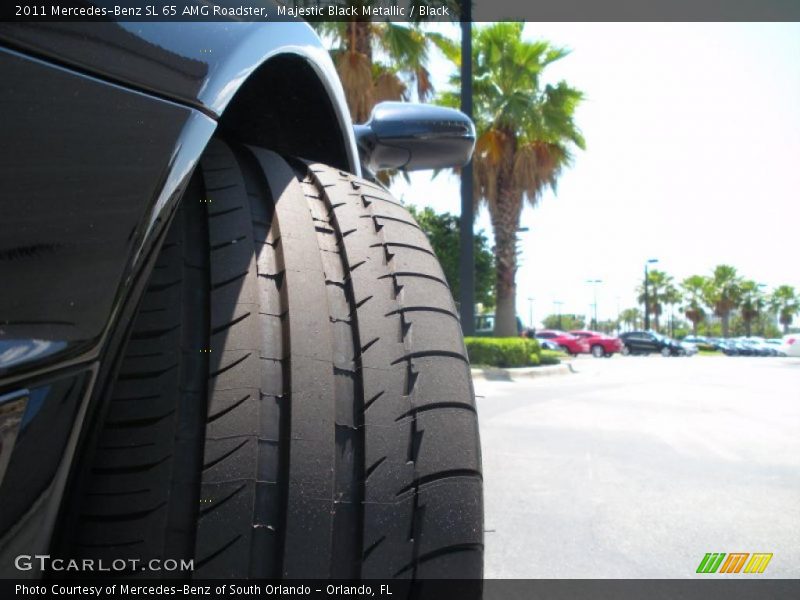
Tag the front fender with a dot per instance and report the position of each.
(196, 63)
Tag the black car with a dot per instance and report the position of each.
(221, 339)
(739, 347)
(650, 342)
(727, 347)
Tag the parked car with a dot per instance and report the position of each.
(791, 344)
(600, 344)
(568, 343)
(549, 345)
(189, 345)
(727, 347)
(742, 349)
(758, 345)
(650, 342)
(778, 345)
(702, 343)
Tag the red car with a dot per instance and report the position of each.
(570, 343)
(599, 343)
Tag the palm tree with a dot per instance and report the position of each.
(526, 136)
(631, 317)
(723, 294)
(694, 288)
(378, 61)
(752, 303)
(660, 291)
(786, 302)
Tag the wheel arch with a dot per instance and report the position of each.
(306, 118)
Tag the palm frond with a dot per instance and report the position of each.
(405, 44)
(450, 49)
(424, 85)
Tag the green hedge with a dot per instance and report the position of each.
(503, 352)
(551, 357)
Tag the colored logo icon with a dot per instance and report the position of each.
(735, 562)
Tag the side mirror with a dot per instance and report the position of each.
(401, 135)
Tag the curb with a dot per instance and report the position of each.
(498, 374)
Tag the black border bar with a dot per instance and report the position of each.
(399, 10)
(739, 587)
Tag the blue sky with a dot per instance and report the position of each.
(693, 158)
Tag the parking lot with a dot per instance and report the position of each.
(639, 466)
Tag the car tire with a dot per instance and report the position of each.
(598, 351)
(666, 352)
(295, 399)
(625, 351)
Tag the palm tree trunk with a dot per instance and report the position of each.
(359, 36)
(505, 222)
(725, 320)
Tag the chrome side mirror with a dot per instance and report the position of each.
(401, 135)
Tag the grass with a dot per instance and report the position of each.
(709, 353)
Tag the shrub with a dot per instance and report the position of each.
(550, 357)
(502, 352)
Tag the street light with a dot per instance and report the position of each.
(650, 261)
(761, 326)
(530, 312)
(594, 283)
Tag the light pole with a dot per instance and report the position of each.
(594, 283)
(671, 321)
(557, 304)
(466, 237)
(647, 294)
(530, 312)
(760, 286)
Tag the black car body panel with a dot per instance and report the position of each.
(36, 474)
(91, 168)
(102, 126)
(122, 153)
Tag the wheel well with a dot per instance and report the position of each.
(285, 107)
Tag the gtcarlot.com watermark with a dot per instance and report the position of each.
(44, 562)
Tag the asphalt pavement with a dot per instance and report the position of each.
(636, 467)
